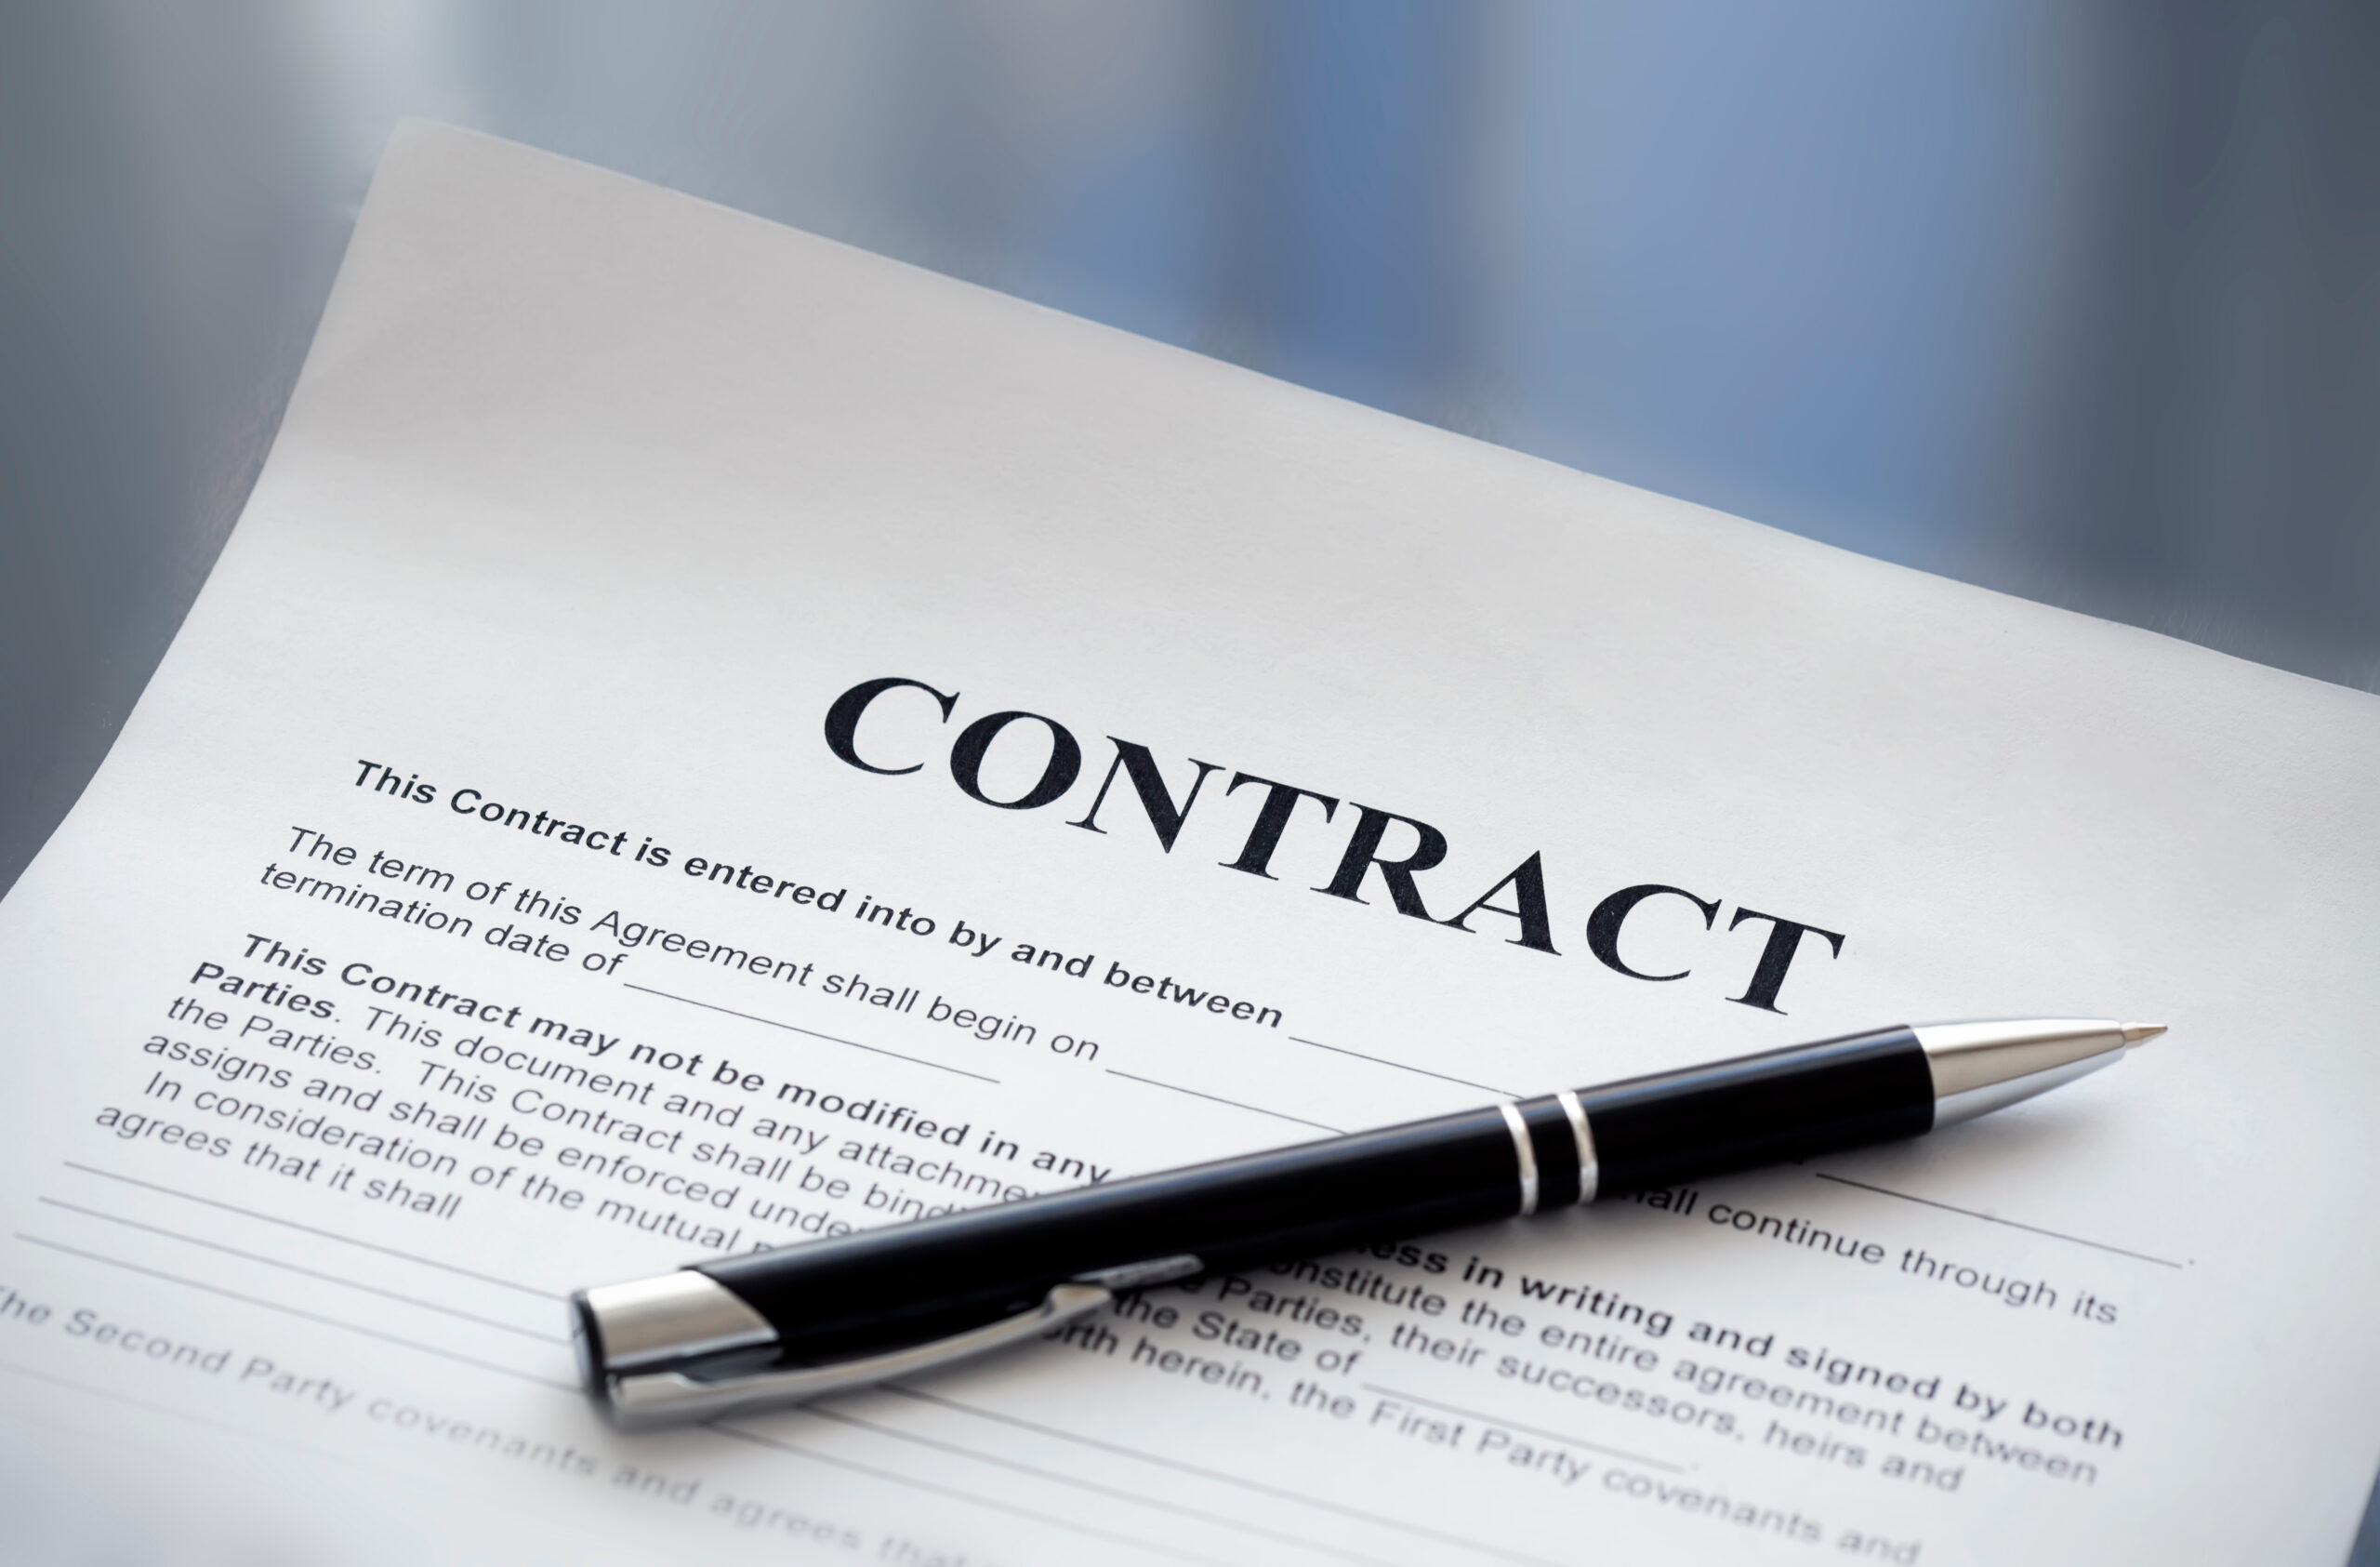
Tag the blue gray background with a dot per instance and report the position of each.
(2075, 298)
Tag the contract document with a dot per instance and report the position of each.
(704, 739)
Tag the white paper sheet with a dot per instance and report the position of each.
(591, 501)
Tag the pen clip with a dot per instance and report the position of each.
(641, 1399)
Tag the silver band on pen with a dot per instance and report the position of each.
(1526, 1152)
(1582, 1135)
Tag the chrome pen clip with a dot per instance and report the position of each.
(640, 1344)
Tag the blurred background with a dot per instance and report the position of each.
(2079, 300)
(2074, 299)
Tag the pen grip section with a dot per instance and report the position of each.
(831, 1299)
(1652, 1132)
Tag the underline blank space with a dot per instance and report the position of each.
(1403, 1067)
(1994, 1219)
(812, 1033)
(1219, 1099)
(295, 1311)
(311, 1230)
(308, 1273)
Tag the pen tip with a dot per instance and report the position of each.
(2134, 1033)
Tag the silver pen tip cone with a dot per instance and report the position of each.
(2134, 1033)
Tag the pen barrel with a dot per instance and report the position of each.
(1652, 1132)
(831, 1299)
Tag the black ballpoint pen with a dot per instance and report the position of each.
(741, 1333)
